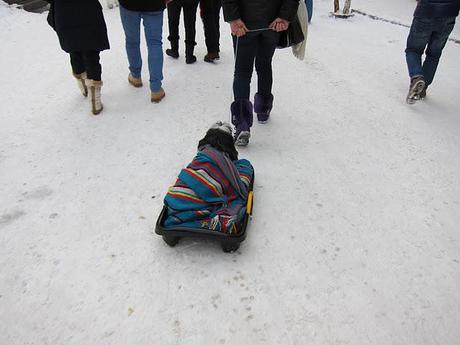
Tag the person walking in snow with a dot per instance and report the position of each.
(433, 22)
(256, 27)
(174, 10)
(82, 33)
(150, 12)
(210, 11)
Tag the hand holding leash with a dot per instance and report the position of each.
(279, 24)
(238, 28)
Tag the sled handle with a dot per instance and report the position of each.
(249, 204)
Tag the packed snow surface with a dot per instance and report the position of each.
(355, 234)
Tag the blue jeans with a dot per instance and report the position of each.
(430, 34)
(309, 4)
(153, 28)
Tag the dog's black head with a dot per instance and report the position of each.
(220, 137)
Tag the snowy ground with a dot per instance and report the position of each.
(355, 235)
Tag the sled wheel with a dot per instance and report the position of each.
(170, 240)
(229, 247)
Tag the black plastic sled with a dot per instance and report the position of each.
(229, 243)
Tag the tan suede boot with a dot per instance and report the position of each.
(157, 96)
(136, 82)
(94, 87)
(81, 83)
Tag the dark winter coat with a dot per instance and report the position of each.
(437, 8)
(79, 25)
(143, 5)
(259, 12)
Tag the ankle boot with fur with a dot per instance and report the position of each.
(81, 83)
(263, 105)
(94, 88)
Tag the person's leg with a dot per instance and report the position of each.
(263, 99)
(205, 10)
(190, 8)
(209, 25)
(419, 36)
(266, 48)
(217, 7)
(174, 9)
(76, 61)
(245, 49)
(153, 27)
(92, 64)
(79, 71)
(94, 83)
(131, 25)
(436, 44)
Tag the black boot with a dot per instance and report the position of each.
(189, 57)
(174, 51)
(211, 57)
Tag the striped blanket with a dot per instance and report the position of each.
(210, 193)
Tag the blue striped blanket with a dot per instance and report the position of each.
(210, 193)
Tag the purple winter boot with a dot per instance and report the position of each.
(242, 120)
(263, 106)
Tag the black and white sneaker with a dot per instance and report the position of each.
(242, 138)
(423, 93)
(242, 120)
(417, 85)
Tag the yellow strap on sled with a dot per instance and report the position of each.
(249, 204)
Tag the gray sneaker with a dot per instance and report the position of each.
(423, 93)
(242, 120)
(417, 84)
(242, 138)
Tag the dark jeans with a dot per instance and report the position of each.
(88, 62)
(430, 34)
(257, 47)
(174, 9)
(210, 10)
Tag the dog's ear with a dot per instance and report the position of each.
(221, 141)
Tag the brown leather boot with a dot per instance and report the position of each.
(136, 82)
(211, 57)
(157, 96)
